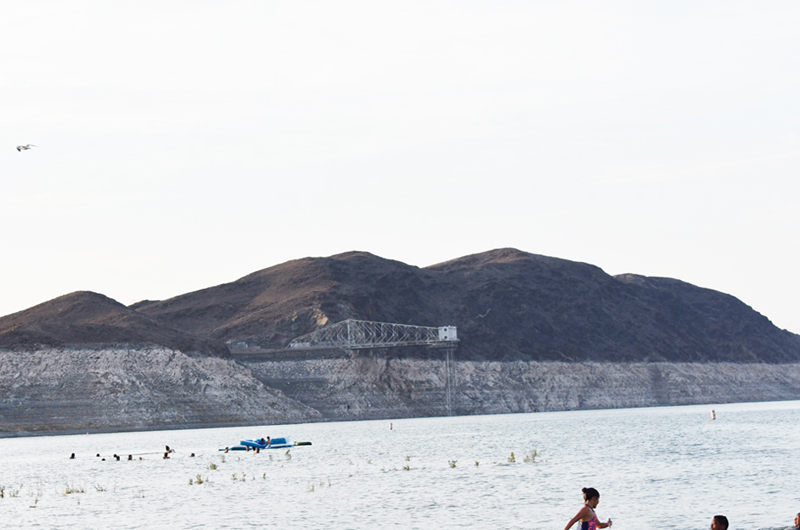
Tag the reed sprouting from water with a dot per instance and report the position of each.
(72, 488)
(197, 480)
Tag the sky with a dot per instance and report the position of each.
(184, 144)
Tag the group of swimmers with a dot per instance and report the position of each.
(588, 518)
(130, 457)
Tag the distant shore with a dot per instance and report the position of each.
(59, 392)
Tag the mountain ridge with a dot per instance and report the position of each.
(507, 304)
(85, 318)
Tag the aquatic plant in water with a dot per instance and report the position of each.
(72, 488)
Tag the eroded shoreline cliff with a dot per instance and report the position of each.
(60, 391)
(375, 388)
(57, 391)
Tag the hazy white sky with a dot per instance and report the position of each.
(186, 144)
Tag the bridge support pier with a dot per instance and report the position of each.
(450, 379)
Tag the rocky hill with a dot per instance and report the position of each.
(84, 362)
(537, 333)
(507, 305)
(89, 319)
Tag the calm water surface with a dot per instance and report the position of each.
(666, 468)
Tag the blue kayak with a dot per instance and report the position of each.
(235, 448)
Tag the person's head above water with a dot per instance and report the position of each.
(797, 520)
(720, 522)
(591, 496)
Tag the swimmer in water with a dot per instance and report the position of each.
(586, 515)
(719, 522)
(797, 521)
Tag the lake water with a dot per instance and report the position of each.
(666, 468)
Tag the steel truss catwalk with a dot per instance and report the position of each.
(361, 334)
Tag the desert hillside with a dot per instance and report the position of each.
(537, 333)
(90, 319)
(507, 305)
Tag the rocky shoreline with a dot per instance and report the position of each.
(375, 388)
(61, 391)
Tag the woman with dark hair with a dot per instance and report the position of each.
(719, 522)
(586, 515)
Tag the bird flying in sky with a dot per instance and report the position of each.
(24, 147)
